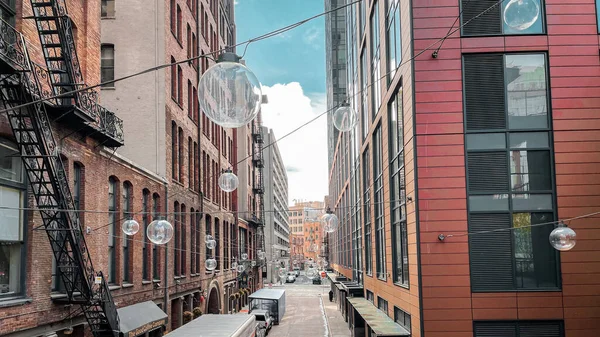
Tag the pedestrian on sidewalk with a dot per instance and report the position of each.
(330, 295)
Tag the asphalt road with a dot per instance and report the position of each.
(305, 311)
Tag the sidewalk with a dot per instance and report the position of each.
(338, 327)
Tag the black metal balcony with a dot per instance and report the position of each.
(105, 126)
(13, 56)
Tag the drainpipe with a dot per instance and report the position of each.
(166, 282)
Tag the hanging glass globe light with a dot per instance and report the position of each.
(234, 265)
(521, 14)
(244, 256)
(159, 232)
(212, 244)
(229, 93)
(228, 181)
(261, 255)
(253, 263)
(281, 272)
(240, 268)
(325, 217)
(210, 264)
(311, 273)
(345, 118)
(563, 238)
(331, 223)
(130, 227)
(207, 238)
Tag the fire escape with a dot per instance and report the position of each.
(258, 183)
(23, 81)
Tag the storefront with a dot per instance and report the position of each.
(367, 320)
(144, 319)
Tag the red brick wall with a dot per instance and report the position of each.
(572, 44)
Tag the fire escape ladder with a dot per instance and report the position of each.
(258, 186)
(58, 45)
(46, 175)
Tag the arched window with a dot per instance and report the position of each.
(146, 216)
(174, 162)
(112, 228)
(176, 253)
(155, 255)
(127, 214)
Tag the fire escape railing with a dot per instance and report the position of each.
(63, 71)
(21, 81)
(258, 183)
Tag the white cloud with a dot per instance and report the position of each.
(304, 151)
(310, 36)
(235, 2)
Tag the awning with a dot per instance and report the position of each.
(380, 323)
(139, 318)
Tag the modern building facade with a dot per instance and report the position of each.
(487, 137)
(335, 54)
(277, 228)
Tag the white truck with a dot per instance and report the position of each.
(237, 325)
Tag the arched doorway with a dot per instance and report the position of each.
(213, 301)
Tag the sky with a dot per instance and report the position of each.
(291, 69)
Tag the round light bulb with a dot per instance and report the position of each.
(234, 265)
(130, 227)
(228, 181)
(244, 256)
(332, 223)
(253, 263)
(229, 94)
(159, 232)
(521, 14)
(311, 273)
(210, 264)
(240, 268)
(345, 118)
(563, 238)
(212, 244)
(261, 254)
(207, 238)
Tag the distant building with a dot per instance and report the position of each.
(277, 229)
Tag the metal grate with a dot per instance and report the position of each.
(490, 254)
(485, 105)
(489, 23)
(487, 171)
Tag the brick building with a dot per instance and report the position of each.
(167, 169)
(496, 130)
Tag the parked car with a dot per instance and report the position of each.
(264, 320)
(316, 280)
(291, 278)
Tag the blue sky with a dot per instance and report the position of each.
(291, 68)
(296, 55)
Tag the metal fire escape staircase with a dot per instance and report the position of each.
(21, 82)
(258, 185)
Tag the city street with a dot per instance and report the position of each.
(308, 312)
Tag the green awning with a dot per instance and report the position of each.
(380, 323)
(139, 318)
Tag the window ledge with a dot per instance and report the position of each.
(402, 285)
(15, 301)
(156, 281)
(108, 88)
(126, 285)
(114, 287)
(179, 277)
(146, 282)
(108, 17)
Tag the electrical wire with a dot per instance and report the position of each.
(149, 70)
